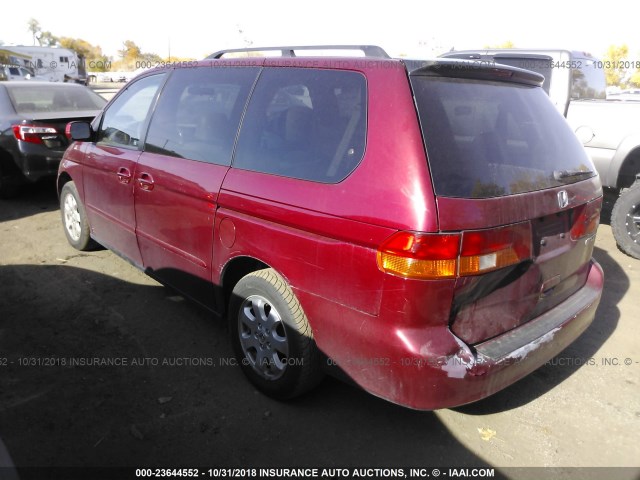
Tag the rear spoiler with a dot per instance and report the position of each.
(473, 69)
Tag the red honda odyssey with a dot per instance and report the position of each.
(427, 227)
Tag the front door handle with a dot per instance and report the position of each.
(124, 175)
(146, 182)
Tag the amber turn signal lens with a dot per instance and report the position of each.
(439, 256)
(420, 255)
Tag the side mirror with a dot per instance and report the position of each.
(78, 131)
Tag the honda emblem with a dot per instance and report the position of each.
(563, 198)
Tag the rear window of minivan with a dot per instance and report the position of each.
(489, 139)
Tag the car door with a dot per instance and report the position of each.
(178, 176)
(110, 165)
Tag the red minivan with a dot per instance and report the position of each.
(427, 227)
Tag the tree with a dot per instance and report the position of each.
(133, 57)
(635, 79)
(34, 28)
(92, 54)
(130, 51)
(614, 70)
(47, 39)
(507, 44)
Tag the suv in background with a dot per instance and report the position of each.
(14, 72)
(428, 230)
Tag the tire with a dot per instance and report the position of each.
(625, 221)
(271, 336)
(74, 219)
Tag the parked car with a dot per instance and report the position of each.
(429, 230)
(33, 116)
(630, 94)
(14, 72)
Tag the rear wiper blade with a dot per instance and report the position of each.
(564, 174)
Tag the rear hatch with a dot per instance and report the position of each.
(515, 184)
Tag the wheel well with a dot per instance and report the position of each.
(630, 168)
(62, 179)
(235, 270)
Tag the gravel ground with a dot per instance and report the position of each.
(174, 400)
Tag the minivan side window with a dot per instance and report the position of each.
(198, 113)
(305, 123)
(123, 122)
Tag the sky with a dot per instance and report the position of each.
(194, 29)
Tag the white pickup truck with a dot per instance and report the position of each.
(608, 129)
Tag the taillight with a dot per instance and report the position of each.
(34, 133)
(420, 255)
(435, 256)
(587, 219)
(486, 250)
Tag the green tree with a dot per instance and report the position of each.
(614, 71)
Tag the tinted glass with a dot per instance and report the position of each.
(123, 122)
(587, 81)
(491, 139)
(198, 113)
(55, 98)
(305, 123)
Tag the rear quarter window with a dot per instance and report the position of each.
(305, 123)
(490, 139)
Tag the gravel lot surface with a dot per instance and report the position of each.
(175, 402)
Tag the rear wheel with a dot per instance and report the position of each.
(271, 336)
(74, 219)
(625, 221)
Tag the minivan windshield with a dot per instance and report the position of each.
(489, 139)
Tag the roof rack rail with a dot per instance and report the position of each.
(369, 50)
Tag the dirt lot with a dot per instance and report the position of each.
(174, 403)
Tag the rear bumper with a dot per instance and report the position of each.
(422, 370)
(38, 161)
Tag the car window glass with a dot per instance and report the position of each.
(198, 113)
(587, 82)
(123, 122)
(53, 98)
(489, 139)
(305, 123)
